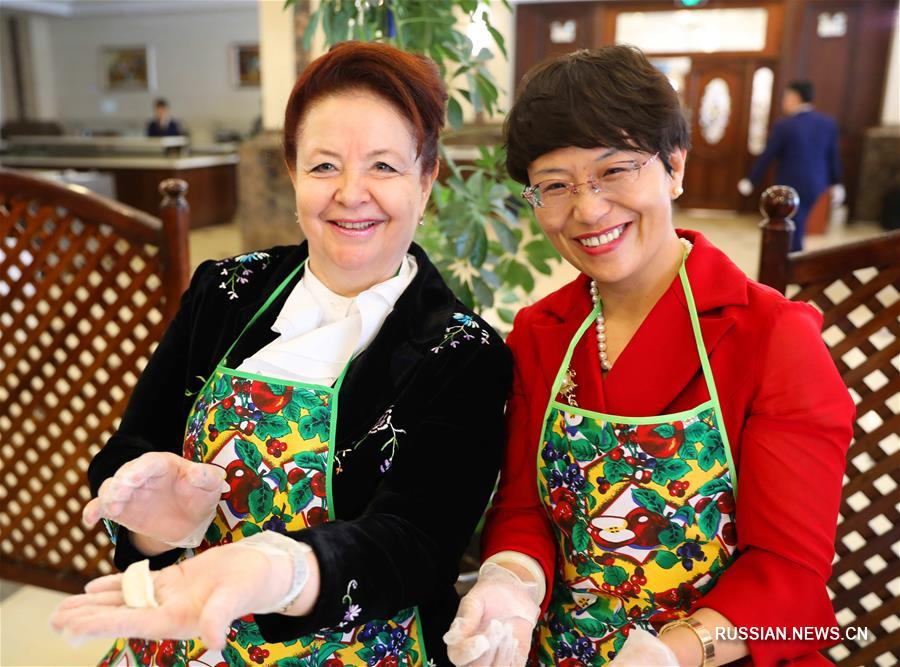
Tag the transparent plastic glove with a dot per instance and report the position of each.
(162, 496)
(838, 194)
(495, 620)
(745, 187)
(198, 597)
(642, 649)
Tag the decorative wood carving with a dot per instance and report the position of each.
(857, 289)
(87, 287)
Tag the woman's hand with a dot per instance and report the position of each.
(495, 620)
(642, 649)
(199, 597)
(160, 496)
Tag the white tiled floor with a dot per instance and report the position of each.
(25, 637)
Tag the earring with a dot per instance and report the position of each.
(679, 191)
(422, 220)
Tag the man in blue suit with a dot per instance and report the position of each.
(805, 144)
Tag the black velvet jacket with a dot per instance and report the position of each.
(399, 534)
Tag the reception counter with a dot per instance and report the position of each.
(136, 166)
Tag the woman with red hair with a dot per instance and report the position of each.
(299, 431)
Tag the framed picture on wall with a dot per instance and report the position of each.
(245, 65)
(128, 68)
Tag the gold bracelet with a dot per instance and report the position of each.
(708, 646)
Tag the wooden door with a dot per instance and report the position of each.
(548, 30)
(717, 104)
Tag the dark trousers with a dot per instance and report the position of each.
(800, 224)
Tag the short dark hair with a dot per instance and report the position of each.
(611, 97)
(804, 88)
(410, 82)
(161, 102)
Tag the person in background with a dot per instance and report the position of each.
(163, 125)
(805, 146)
(674, 465)
(321, 426)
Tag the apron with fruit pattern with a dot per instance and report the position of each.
(643, 512)
(274, 439)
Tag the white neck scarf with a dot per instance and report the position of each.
(320, 331)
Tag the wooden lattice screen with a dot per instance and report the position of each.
(87, 286)
(857, 289)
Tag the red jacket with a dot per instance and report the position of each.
(787, 413)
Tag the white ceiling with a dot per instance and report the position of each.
(77, 8)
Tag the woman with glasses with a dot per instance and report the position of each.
(677, 431)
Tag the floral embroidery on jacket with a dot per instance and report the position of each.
(237, 270)
(384, 422)
(353, 610)
(465, 327)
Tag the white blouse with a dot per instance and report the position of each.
(320, 331)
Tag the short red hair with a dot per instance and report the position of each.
(410, 82)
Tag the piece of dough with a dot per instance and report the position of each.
(137, 586)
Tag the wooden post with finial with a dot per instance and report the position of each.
(777, 204)
(175, 214)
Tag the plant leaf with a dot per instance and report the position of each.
(687, 451)
(671, 536)
(650, 499)
(685, 512)
(504, 234)
(300, 495)
(714, 486)
(666, 559)
(482, 292)
(580, 538)
(232, 657)
(248, 454)
(613, 471)
(248, 529)
(272, 426)
(506, 315)
(260, 502)
(501, 44)
(614, 575)
(454, 113)
(708, 521)
(279, 476)
(310, 461)
(590, 627)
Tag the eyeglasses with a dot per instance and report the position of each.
(617, 177)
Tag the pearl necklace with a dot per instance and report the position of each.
(601, 321)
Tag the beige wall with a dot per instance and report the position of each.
(890, 112)
(40, 46)
(192, 51)
(276, 45)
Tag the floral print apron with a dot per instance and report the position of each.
(643, 512)
(275, 441)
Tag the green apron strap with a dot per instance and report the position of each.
(563, 368)
(262, 309)
(707, 370)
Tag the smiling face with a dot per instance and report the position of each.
(622, 238)
(359, 189)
